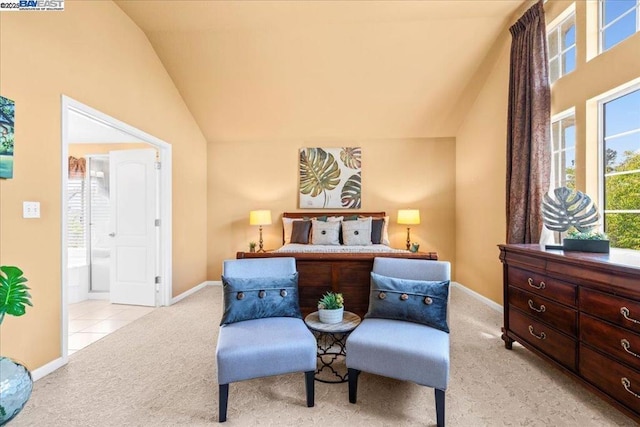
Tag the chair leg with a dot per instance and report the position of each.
(353, 384)
(223, 399)
(310, 384)
(440, 407)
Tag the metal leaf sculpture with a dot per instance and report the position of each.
(569, 208)
(319, 172)
(351, 191)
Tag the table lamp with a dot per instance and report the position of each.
(408, 217)
(260, 217)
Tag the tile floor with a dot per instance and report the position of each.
(91, 320)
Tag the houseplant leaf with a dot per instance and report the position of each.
(14, 295)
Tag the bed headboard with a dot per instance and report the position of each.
(324, 213)
(343, 213)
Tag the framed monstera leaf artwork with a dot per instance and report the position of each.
(330, 178)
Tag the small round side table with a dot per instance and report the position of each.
(332, 339)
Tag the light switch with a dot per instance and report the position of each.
(31, 209)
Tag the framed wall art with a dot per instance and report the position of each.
(330, 178)
(7, 120)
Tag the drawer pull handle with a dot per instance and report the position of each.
(540, 337)
(626, 345)
(627, 386)
(540, 286)
(542, 308)
(625, 312)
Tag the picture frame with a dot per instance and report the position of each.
(330, 178)
(7, 128)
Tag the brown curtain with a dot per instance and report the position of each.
(77, 167)
(528, 127)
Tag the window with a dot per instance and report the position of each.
(76, 212)
(620, 154)
(563, 137)
(88, 210)
(561, 41)
(619, 19)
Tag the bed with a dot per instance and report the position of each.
(339, 269)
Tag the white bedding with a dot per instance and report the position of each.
(296, 247)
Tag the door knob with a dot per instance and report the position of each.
(112, 234)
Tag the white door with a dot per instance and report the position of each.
(133, 185)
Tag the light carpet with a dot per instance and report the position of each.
(160, 371)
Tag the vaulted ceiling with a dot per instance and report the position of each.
(268, 70)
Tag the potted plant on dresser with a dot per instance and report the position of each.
(331, 308)
(15, 379)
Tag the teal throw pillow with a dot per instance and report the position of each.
(415, 301)
(260, 297)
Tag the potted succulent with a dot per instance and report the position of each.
(331, 308)
(15, 378)
(252, 246)
(586, 241)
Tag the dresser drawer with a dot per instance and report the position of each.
(617, 310)
(542, 285)
(617, 380)
(617, 342)
(545, 338)
(560, 317)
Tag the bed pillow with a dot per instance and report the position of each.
(357, 232)
(380, 231)
(287, 227)
(385, 232)
(377, 226)
(325, 233)
(415, 301)
(300, 232)
(259, 297)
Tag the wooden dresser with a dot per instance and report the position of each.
(581, 312)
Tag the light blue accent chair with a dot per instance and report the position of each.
(263, 347)
(398, 349)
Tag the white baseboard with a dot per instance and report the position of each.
(193, 290)
(479, 297)
(45, 370)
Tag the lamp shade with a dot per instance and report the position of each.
(261, 217)
(409, 216)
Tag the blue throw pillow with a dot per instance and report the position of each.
(415, 301)
(260, 297)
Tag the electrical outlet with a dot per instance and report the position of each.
(31, 209)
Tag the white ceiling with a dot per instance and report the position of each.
(267, 70)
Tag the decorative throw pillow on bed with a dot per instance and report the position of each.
(259, 297)
(357, 233)
(287, 227)
(325, 233)
(377, 226)
(415, 301)
(300, 232)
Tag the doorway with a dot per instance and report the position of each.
(87, 127)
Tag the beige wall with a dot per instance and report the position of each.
(93, 53)
(481, 143)
(480, 180)
(396, 174)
